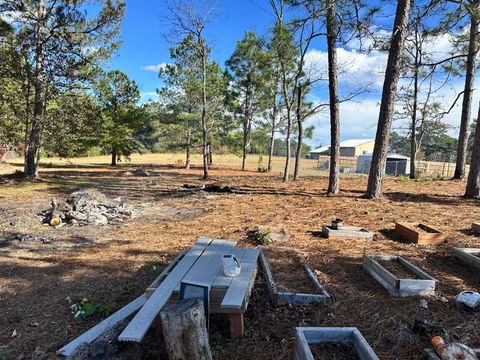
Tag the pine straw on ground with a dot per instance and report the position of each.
(111, 265)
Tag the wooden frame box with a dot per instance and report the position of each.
(346, 231)
(279, 297)
(429, 235)
(306, 336)
(431, 355)
(469, 256)
(476, 227)
(424, 285)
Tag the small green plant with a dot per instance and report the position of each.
(406, 179)
(85, 309)
(262, 236)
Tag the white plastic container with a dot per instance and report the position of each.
(231, 266)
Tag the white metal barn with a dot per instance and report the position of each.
(397, 165)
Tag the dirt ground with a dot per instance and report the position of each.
(113, 264)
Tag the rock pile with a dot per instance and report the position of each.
(86, 207)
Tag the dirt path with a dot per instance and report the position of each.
(113, 264)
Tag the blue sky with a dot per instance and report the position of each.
(144, 47)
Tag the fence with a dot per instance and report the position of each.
(348, 164)
(424, 168)
(437, 169)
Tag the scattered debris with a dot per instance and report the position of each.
(86, 207)
(215, 188)
(30, 237)
(141, 172)
(424, 304)
(470, 299)
(428, 328)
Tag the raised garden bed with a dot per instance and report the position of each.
(469, 256)
(346, 231)
(476, 228)
(420, 234)
(398, 276)
(431, 355)
(317, 343)
(289, 281)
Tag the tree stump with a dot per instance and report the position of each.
(185, 331)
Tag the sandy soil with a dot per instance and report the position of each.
(111, 265)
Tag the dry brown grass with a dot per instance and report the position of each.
(113, 264)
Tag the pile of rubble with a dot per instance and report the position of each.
(86, 207)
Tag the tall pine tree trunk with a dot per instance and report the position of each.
(473, 183)
(286, 173)
(334, 178)
(187, 149)
(272, 134)
(467, 92)
(114, 158)
(33, 143)
(246, 129)
(204, 112)
(392, 74)
(413, 129)
(300, 133)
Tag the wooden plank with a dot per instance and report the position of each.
(93, 333)
(155, 283)
(476, 227)
(272, 288)
(304, 336)
(346, 231)
(235, 295)
(315, 281)
(372, 266)
(363, 349)
(209, 265)
(415, 269)
(467, 256)
(138, 327)
(412, 287)
(431, 237)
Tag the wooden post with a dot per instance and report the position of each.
(236, 325)
(185, 330)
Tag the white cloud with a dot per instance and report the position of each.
(154, 68)
(355, 68)
(146, 96)
(358, 120)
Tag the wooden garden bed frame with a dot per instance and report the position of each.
(282, 297)
(305, 336)
(431, 355)
(430, 237)
(346, 231)
(476, 227)
(424, 285)
(466, 256)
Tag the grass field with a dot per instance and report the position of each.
(307, 166)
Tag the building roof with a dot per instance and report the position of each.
(320, 150)
(346, 143)
(389, 156)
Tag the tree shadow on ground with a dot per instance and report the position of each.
(451, 200)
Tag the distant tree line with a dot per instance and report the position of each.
(57, 99)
